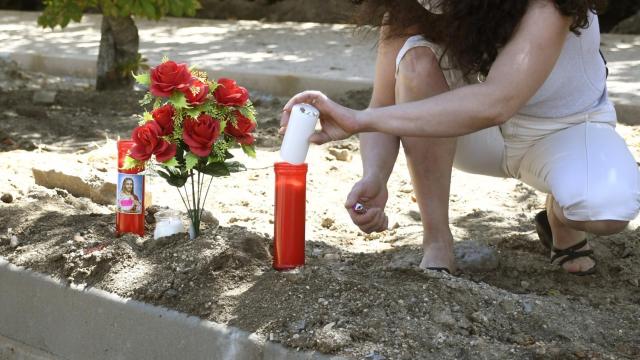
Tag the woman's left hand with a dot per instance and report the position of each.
(338, 122)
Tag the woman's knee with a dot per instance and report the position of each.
(603, 212)
(417, 68)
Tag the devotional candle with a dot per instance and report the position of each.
(290, 189)
(130, 195)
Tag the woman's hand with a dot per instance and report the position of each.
(373, 194)
(338, 122)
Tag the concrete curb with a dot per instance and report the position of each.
(273, 82)
(13, 350)
(53, 321)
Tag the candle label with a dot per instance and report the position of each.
(130, 193)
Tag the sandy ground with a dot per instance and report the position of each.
(361, 296)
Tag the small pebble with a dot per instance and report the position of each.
(374, 356)
(298, 326)
(329, 326)
(341, 154)
(525, 284)
(327, 223)
(527, 307)
(14, 241)
(7, 198)
(332, 256)
(77, 237)
(208, 218)
(415, 215)
(171, 293)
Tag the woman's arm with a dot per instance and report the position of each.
(379, 151)
(518, 72)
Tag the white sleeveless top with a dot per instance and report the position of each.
(577, 83)
(578, 80)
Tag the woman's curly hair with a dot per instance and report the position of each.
(471, 31)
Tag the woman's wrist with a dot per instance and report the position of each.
(363, 120)
(374, 175)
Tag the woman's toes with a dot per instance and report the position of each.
(579, 265)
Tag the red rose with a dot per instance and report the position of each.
(242, 129)
(166, 151)
(148, 142)
(230, 94)
(201, 134)
(196, 93)
(164, 117)
(169, 76)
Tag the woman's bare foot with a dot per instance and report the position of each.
(439, 254)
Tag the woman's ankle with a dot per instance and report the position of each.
(564, 235)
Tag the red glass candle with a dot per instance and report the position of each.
(289, 224)
(130, 195)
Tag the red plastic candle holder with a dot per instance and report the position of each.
(289, 224)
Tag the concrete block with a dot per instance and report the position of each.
(78, 179)
(72, 322)
(14, 350)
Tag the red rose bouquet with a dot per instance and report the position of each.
(190, 125)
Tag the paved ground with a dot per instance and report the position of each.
(300, 55)
(278, 57)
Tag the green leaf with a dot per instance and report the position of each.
(228, 155)
(216, 169)
(147, 116)
(172, 163)
(131, 163)
(194, 112)
(191, 160)
(178, 100)
(149, 10)
(249, 150)
(143, 79)
(249, 112)
(174, 177)
(235, 166)
(146, 100)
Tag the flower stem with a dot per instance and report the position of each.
(184, 201)
(206, 192)
(195, 217)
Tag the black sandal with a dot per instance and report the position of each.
(439, 269)
(561, 256)
(543, 228)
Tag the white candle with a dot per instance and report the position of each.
(168, 227)
(302, 124)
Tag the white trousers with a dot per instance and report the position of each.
(580, 159)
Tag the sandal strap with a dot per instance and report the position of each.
(572, 256)
(571, 253)
(571, 248)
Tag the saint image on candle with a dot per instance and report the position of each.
(128, 200)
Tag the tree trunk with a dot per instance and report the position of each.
(118, 54)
